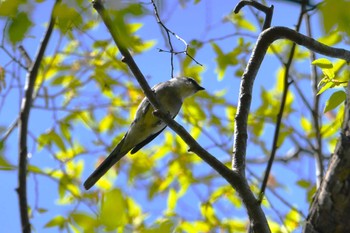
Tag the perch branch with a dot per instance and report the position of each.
(238, 182)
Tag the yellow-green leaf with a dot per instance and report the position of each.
(208, 212)
(335, 100)
(331, 38)
(323, 63)
(292, 220)
(172, 200)
(106, 123)
(305, 124)
(303, 183)
(113, 212)
(85, 221)
(5, 164)
(58, 221)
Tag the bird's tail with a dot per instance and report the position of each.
(113, 158)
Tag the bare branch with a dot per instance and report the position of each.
(267, 10)
(23, 126)
(25, 55)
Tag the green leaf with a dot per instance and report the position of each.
(332, 38)
(65, 130)
(241, 21)
(305, 124)
(172, 200)
(57, 140)
(42, 210)
(49, 138)
(208, 212)
(9, 7)
(58, 221)
(325, 87)
(311, 193)
(323, 63)
(35, 169)
(292, 220)
(224, 60)
(106, 124)
(19, 26)
(5, 165)
(85, 221)
(67, 16)
(304, 183)
(162, 225)
(335, 100)
(335, 15)
(113, 212)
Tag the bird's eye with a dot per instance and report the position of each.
(191, 81)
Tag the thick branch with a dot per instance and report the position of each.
(23, 127)
(237, 181)
(265, 39)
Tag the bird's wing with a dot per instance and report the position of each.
(149, 139)
(145, 142)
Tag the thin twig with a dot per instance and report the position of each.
(23, 127)
(168, 32)
(286, 84)
(26, 57)
(315, 111)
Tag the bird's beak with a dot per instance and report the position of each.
(200, 88)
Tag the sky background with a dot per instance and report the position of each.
(202, 21)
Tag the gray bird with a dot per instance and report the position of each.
(146, 126)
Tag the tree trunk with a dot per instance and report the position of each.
(330, 210)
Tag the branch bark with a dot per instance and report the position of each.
(23, 126)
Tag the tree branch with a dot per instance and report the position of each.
(23, 126)
(286, 85)
(265, 39)
(238, 182)
(267, 10)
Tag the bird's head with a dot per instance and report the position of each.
(185, 86)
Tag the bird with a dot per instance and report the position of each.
(145, 126)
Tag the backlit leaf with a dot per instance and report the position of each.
(18, 27)
(323, 63)
(113, 210)
(335, 100)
